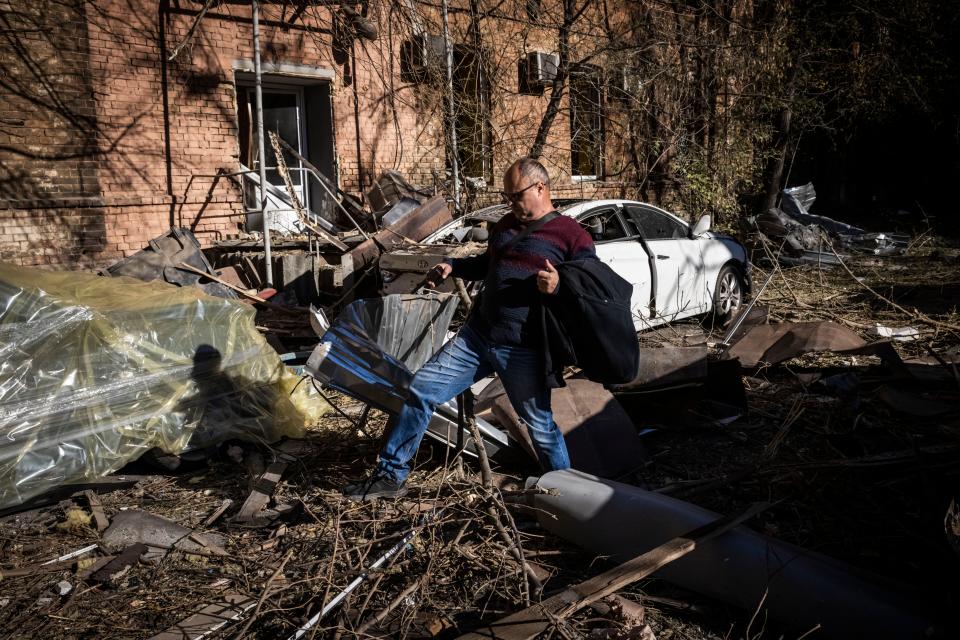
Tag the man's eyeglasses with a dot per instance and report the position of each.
(514, 196)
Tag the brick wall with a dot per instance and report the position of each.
(103, 145)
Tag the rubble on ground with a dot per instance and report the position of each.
(799, 237)
(813, 409)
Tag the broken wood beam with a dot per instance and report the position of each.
(322, 179)
(534, 620)
(261, 493)
(96, 508)
(187, 267)
(213, 517)
(295, 201)
(117, 567)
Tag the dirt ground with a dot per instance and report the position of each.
(849, 472)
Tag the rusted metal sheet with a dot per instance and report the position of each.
(668, 365)
(773, 343)
(415, 226)
(601, 438)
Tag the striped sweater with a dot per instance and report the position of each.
(510, 288)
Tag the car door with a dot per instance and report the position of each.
(624, 252)
(678, 263)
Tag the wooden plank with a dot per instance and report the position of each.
(316, 230)
(98, 563)
(534, 620)
(96, 508)
(209, 619)
(262, 490)
(226, 504)
(292, 194)
(326, 183)
(293, 449)
(120, 564)
(102, 485)
(210, 276)
(422, 258)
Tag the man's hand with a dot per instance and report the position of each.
(548, 278)
(438, 274)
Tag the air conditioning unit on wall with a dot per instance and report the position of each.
(536, 71)
(421, 56)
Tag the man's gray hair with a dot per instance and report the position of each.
(531, 168)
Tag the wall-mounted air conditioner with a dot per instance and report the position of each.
(421, 56)
(536, 71)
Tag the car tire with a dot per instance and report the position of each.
(729, 293)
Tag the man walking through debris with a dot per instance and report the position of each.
(501, 335)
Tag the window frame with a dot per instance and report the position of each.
(617, 214)
(682, 226)
(288, 88)
(592, 77)
(482, 97)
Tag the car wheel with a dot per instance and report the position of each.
(729, 293)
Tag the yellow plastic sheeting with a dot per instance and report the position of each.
(96, 371)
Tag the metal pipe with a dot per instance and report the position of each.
(725, 343)
(356, 114)
(267, 258)
(799, 587)
(451, 112)
(392, 551)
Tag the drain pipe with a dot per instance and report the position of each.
(261, 147)
(451, 112)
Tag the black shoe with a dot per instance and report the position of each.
(376, 486)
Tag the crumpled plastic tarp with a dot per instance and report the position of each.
(96, 371)
(373, 347)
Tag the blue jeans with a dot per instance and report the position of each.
(466, 358)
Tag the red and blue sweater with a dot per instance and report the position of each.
(510, 288)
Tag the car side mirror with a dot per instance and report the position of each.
(702, 226)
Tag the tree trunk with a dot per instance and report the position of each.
(781, 145)
(560, 82)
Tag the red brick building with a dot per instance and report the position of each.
(106, 142)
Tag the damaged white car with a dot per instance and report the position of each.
(677, 271)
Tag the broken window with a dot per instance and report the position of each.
(300, 113)
(586, 125)
(471, 90)
(654, 225)
(604, 226)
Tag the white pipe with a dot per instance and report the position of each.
(803, 588)
(267, 258)
(451, 115)
(309, 624)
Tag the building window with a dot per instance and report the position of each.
(471, 90)
(586, 125)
